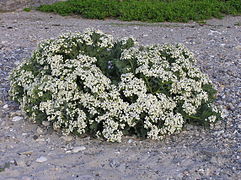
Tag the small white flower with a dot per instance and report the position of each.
(63, 82)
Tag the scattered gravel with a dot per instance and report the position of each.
(10, 5)
(195, 153)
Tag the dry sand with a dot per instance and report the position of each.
(29, 151)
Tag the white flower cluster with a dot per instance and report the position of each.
(63, 83)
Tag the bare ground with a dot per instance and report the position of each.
(30, 151)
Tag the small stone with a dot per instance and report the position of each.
(238, 48)
(35, 137)
(17, 62)
(113, 163)
(5, 106)
(45, 123)
(14, 162)
(78, 149)
(40, 139)
(218, 133)
(28, 163)
(130, 141)
(17, 118)
(41, 159)
(40, 130)
(21, 163)
(225, 113)
(16, 113)
(27, 153)
(67, 138)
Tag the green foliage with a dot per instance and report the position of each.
(146, 10)
(27, 9)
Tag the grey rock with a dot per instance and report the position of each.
(5, 106)
(46, 123)
(41, 159)
(238, 47)
(218, 133)
(17, 118)
(78, 149)
(40, 130)
(114, 163)
(130, 141)
(67, 138)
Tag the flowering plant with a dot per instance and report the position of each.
(89, 83)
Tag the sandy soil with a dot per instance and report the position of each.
(29, 151)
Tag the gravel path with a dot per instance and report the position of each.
(28, 151)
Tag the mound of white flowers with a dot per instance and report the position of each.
(89, 83)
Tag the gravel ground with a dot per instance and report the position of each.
(29, 151)
(10, 5)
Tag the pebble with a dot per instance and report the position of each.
(67, 138)
(17, 118)
(45, 123)
(17, 62)
(78, 149)
(21, 163)
(41, 159)
(218, 133)
(5, 106)
(40, 139)
(27, 153)
(14, 162)
(130, 141)
(238, 47)
(114, 163)
(40, 130)
(225, 113)
(28, 163)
